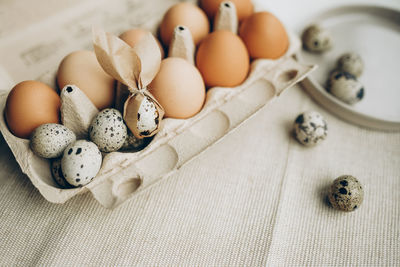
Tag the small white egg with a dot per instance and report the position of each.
(108, 130)
(57, 174)
(49, 140)
(81, 162)
(346, 87)
(310, 128)
(316, 39)
(351, 63)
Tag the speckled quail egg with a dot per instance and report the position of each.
(351, 63)
(49, 140)
(346, 87)
(316, 39)
(57, 174)
(81, 162)
(108, 130)
(147, 117)
(134, 143)
(310, 128)
(346, 193)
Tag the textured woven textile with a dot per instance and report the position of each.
(255, 198)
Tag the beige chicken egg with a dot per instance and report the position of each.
(133, 36)
(185, 14)
(82, 69)
(222, 59)
(179, 88)
(29, 105)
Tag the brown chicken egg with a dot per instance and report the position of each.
(185, 14)
(82, 69)
(29, 105)
(179, 88)
(264, 36)
(133, 36)
(244, 8)
(222, 59)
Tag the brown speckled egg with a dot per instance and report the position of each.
(264, 36)
(29, 105)
(133, 36)
(244, 8)
(222, 59)
(346, 193)
(185, 14)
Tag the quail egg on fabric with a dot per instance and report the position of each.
(49, 140)
(57, 174)
(310, 128)
(81, 162)
(346, 193)
(351, 63)
(108, 130)
(316, 39)
(346, 87)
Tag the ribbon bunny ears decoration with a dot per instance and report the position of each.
(135, 67)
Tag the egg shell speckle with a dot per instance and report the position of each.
(346, 193)
(147, 117)
(351, 63)
(316, 39)
(346, 87)
(81, 162)
(310, 128)
(57, 174)
(134, 143)
(49, 140)
(108, 130)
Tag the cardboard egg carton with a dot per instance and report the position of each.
(123, 174)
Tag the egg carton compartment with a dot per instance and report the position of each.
(123, 174)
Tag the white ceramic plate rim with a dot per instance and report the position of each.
(335, 106)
